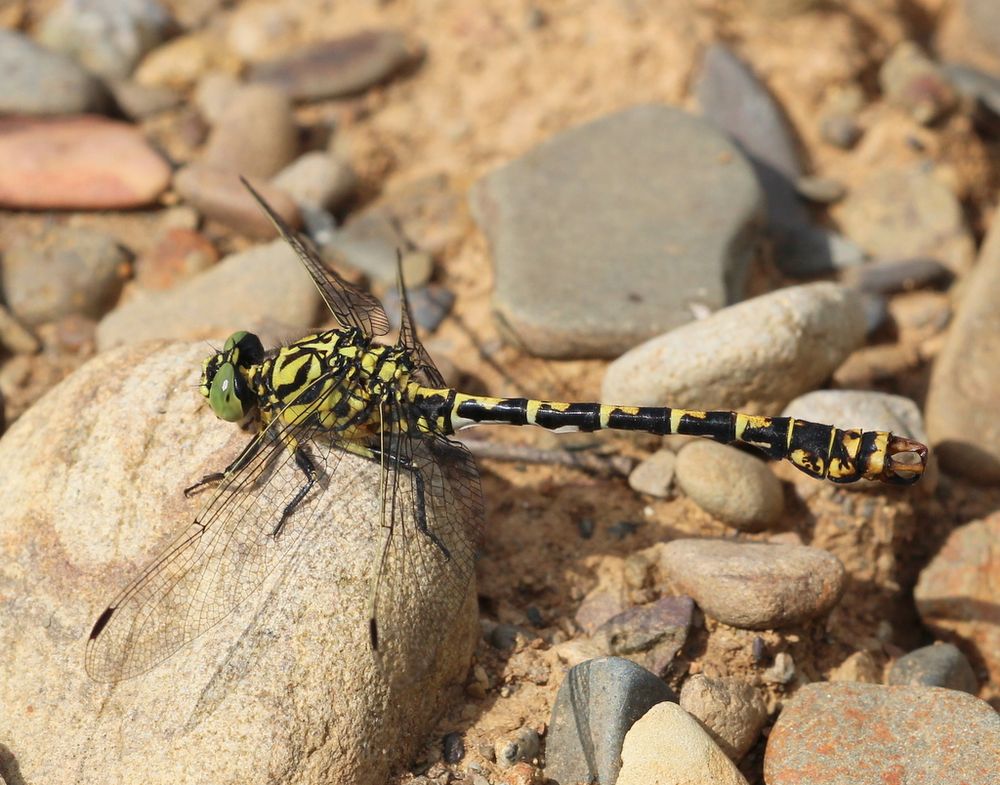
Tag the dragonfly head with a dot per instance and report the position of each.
(224, 376)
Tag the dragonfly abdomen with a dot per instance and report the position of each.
(822, 451)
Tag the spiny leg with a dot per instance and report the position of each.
(304, 462)
(376, 454)
(246, 455)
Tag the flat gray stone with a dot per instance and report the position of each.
(758, 354)
(264, 284)
(37, 81)
(939, 665)
(337, 67)
(602, 236)
(734, 100)
(597, 703)
(754, 585)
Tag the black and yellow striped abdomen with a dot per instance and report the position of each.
(822, 451)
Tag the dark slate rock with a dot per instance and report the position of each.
(891, 276)
(337, 67)
(597, 703)
(616, 231)
(453, 747)
(733, 98)
(650, 634)
(940, 665)
(975, 85)
(37, 81)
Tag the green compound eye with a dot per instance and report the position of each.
(233, 339)
(224, 397)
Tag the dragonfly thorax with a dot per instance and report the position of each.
(224, 376)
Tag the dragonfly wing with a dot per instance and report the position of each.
(352, 306)
(434, 521)
(215, 564)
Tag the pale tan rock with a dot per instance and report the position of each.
(732, 711)
(964, 394)
(758, 354)
(284, 689)
(667, 746)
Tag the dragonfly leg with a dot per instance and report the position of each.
(375, 454)
(304, 462)
(241, 460)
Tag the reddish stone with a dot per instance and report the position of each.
(179, 254)
(77, 163)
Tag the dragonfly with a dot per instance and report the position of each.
(342, 392)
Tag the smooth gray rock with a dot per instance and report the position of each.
(601, 236)
(62, 271)
(37, 81)
(938, 665)
(597, 703)
(107, 37)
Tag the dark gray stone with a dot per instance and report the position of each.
(597, 703)
(939, 665)
(38, 81)
(975, 85)
(892, 276)
(618, 230)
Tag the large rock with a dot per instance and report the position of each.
(964, 394)
(865, 734)
(285, 688)
(759, 354)
(601, 238)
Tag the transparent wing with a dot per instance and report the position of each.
(428, 546)
(352, 306)
(425, 370)
(218, 561)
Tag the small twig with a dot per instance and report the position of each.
(614, 465)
